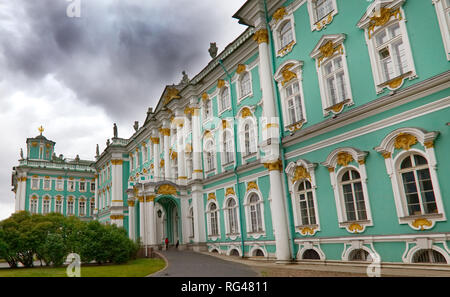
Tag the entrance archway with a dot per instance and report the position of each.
(168, 222)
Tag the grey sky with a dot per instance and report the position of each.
(77, 76)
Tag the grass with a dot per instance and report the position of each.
(134, 268)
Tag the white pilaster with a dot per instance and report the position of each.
(182, 178)
(155, 141)
(199, 214)
(196, 145)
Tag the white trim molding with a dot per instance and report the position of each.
(213, 237)
(317, 24)
(424, 244)
(327, 51)
(298, 172)
(304, 246)
(253, 188)
(345, 159)
(225, 209)
(395, 147)
(378, 17)
(444, 21)
(282, 17)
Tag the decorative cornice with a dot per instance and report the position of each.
(150, 198)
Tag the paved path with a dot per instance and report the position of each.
(192, 264)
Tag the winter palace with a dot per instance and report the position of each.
(322, 132)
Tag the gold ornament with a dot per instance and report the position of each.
(211, 196)
(383, 17)
(172, 93)
(420, 223)
(307, 230)
(165, 131)
(429, 144)
(287, 74)
(404, 141)
(279, 14)
(355, 228)
(261, 36)
(277, 165)
(167, 190)
(344, 158)
(116, 162)
(252, 185)
(205, 96)
(229, 191)
(300, 173)
(246, 112)
(241, 68)
(155, 140)
(328, 49)
(220, 83)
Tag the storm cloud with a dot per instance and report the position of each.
(77, 76)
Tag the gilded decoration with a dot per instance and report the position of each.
(404, 141)
(355, 228)
(205, 96)
(182, 177)
(300, 173)
(41, 129)
(161, 163)
(167, 190)
(287, 74)
(116, 162)
(344, 158)
(246, 112)
(225, 124)
(277, 165)
(296, 126)
(328, 49)
(429, 144)
(211, 196)
(241, 68)
(34, 144)
(382, 18)
(198, 171)
(141, 198)
(287, 48)
(337, 108)
(174, 155)
(420, 223)
(172, 93)
(150, 198)
(229, 191)
(165, 131)
(330, 169)
(307, 230)
(386, 155)
(395, 83)
(189, 110)
(326, 21)
(116, 217)
(131, 203)
(252, 185)
(152, 166)
(155, 140)
(271, 125)
(361, 162)
(279, 14)
(261, 36)
(220, 83)
(188, 148)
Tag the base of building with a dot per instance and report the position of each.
(198, 247)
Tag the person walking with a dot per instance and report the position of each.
(167, 243)
(178, 243)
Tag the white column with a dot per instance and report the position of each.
(131, 219)
(142, 220)
(155, 141)
(184, 219)
(180, 148)
(18, 193)
(199, 214)
(151, 226)
(196, 145)
(116, 191)
(167, 169)
(96, 195)
(271, 159)
(23, 193)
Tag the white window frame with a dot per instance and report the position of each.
(35, 180)
(84, 184)
(49, 180)
(69, 182)
(226, 210)
(91, 207)
(295, 68)
(310, 229)
(224, 90)
(212, 236)
(379, 81)
(358, 164)
(444, 24)
(352, 181)
(46, 198)
(70, 201)
(80, 207)
(191, 222)
(337, 41)
(92, 187)
(394, 156)
(207, 116)
(247, 206)
(60, 200)
(34, 203)
(240, 78)
(316, 24)
(277, 25)
(223, 145)
(209, 148)
(59, 184)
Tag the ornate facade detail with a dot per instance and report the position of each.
(301, 173)
(164, 131)
(279, 14)
(246, 112)
(344, 158)
(383, 17)
(326, 21)
(277, 165)
(287, 74)
(261, 36)
(252, 185)
(205, 96)
(329, 49)
(241, 68)
(155, 140)
(422, 224)
(404, 141)
(172, 93)
(230, 191)
(116, 162)
(220, 83)
(167, 189)
(355, 228)
(212, 196)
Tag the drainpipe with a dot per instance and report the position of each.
(236, 159)
(281, 135)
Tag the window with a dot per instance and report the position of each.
(71, 185)
(92, 208)
(389, 48)
(321, 13)
(224, 99)
(231, 211)
(336, 85)
(258, 253)
(429, 256)
(82, 186)
(82, 208)
(92, 187)
(417, 185)
(228, 154)
(59, 184)
(293, 102)
(47, 183)
(35, 183)
(210, 162)
(255, 214)
(70, 208)
(307, 212)
(354, 205)
(359, 255)
(58, 205)
(245, 85)
(286, 35)
(213, 220)
(310, 254)
(249, 139)
(207, 108)
(34, 205)
(443, 15)
(46, 205)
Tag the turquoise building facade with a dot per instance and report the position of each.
(320, 133)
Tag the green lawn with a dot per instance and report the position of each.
(134, 268)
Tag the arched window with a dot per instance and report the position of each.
(224, 99)
(234, 252)
(417, 185)
(58, 205)
(231, 209)
(307, 210)
(82, 208)
(255, 213)
(249, 139)
(258, 253)
(353, 196)
(228, 155)
(293, 102)
(245, 84)
(428, 256)
(359, 255)
(310, 254)
(46, 205)
(92, 207)
(335, 81)
(210, 160)
(286, 35)
(34, 204)
(70, 209)
(213, 220)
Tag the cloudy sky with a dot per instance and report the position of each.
(77, 76)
